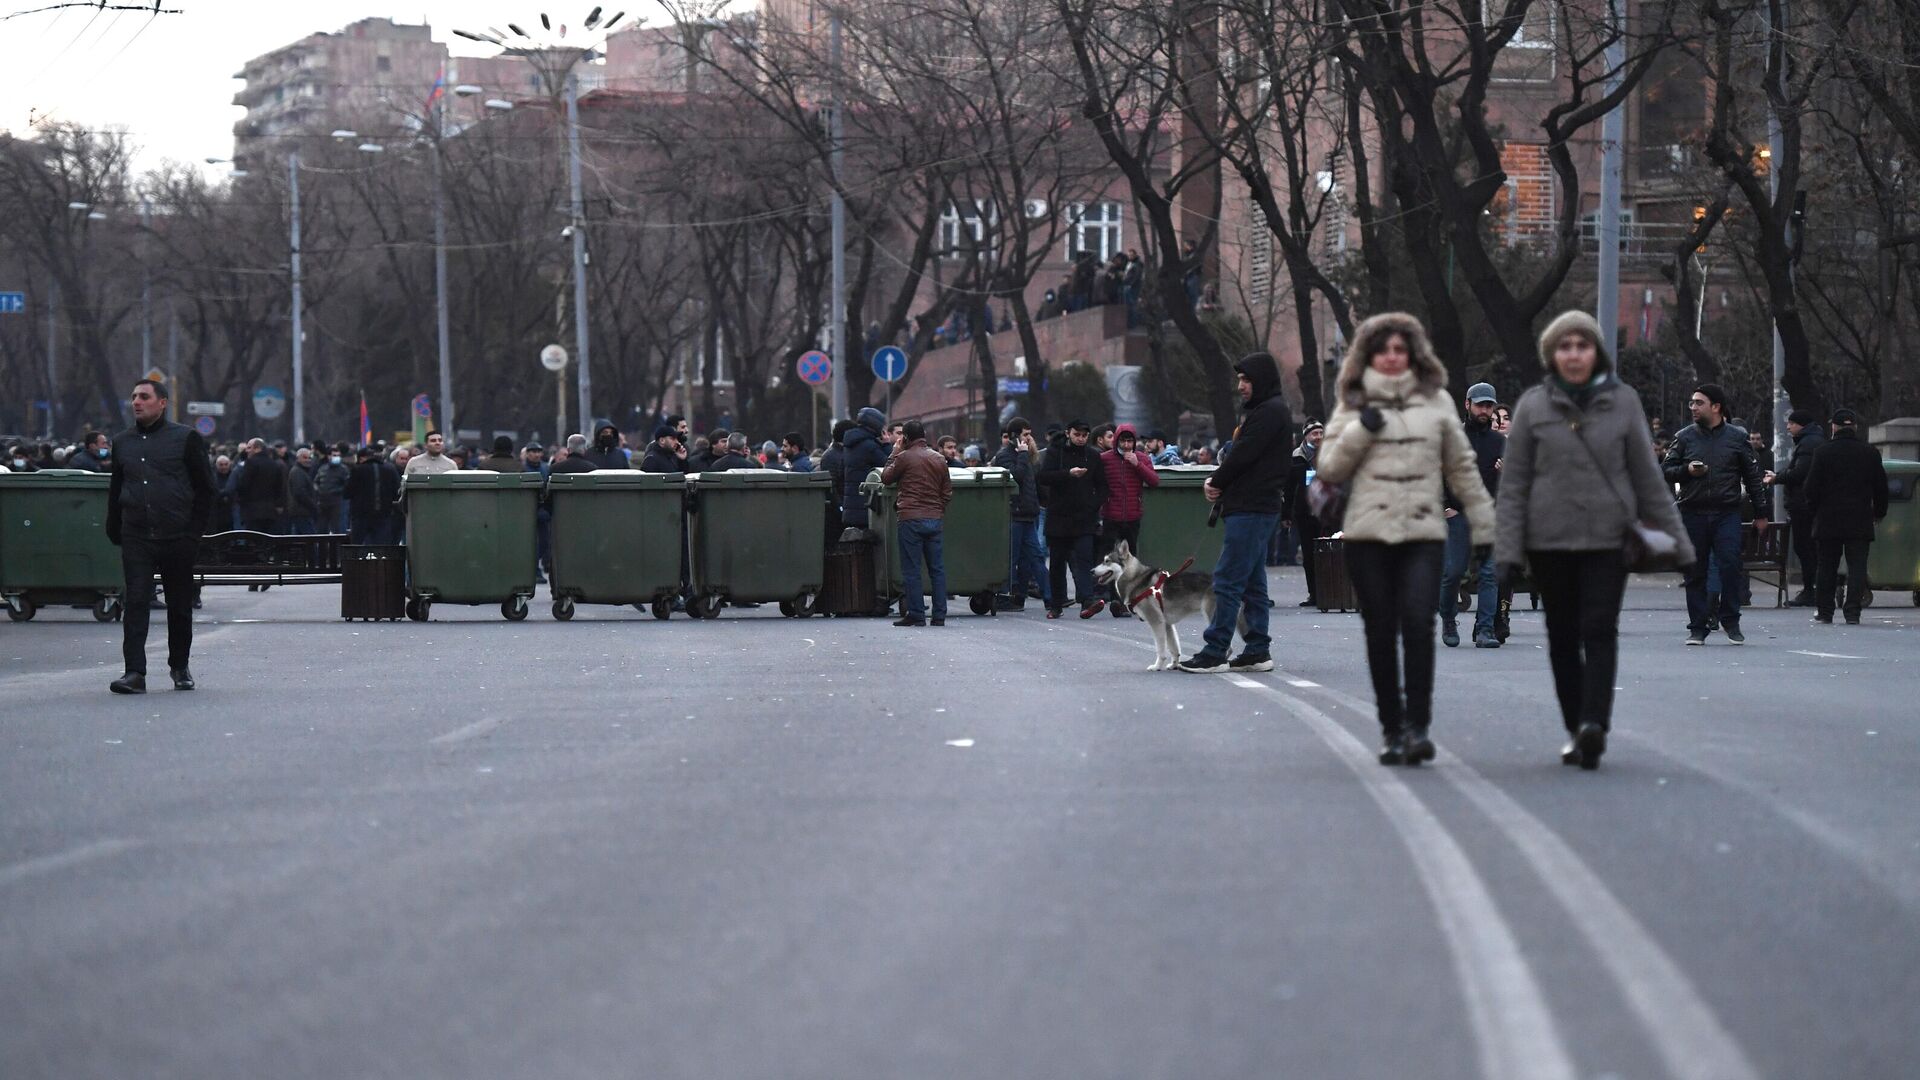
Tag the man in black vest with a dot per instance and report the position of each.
(157, 504)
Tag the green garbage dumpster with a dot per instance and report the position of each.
(471, 540)
(53, 544)
(617, 539)
(756, 536)
(1173, 520)
(973, 540)
(1894, 560)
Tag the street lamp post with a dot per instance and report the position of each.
(299, 333)
(558, 66)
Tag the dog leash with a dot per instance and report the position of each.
(1158, 589)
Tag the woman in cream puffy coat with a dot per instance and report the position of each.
(1395, 441)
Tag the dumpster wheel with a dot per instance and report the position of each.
(21, 610)
(562, 608)
(705, 606)
(514, 608)
(106, 609)
(417, 608)
(981, 603)
(662, 609)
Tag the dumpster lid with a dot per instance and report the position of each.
(759, 477)
(470, 478)
(618, 478)
(56, 478)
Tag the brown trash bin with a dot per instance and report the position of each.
(1333, 588)
(373, 582)
(849, 585)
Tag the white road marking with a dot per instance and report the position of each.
(1242, 680)
(47, 864)
(1685, 1031)
(1825, 655)
(1307, 683)
(473, 730)
(1512, 1026)
(961, 743)
(1687, 1034)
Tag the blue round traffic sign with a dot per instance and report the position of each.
(422, 406)
(204, 425)
(814, 367)
(889, 364)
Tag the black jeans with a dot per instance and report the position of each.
(1831, 552)
(1398, 589)
(1581, 591)
(173, 561)
(1075, 553)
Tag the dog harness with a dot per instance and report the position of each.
(1158, 589)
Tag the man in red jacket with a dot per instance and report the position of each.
(1129, 472)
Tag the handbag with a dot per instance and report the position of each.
(1644, 547)
(1328, 502)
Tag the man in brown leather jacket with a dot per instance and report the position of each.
(920, 473)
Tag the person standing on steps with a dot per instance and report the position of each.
(157, 503)
(1712, 460)
(1246, 490)
(1846, 493)
(1395, 442)
(1579, 473)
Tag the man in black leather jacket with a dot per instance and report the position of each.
(1712, 461)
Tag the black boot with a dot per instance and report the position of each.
(1591, 741)
(1393, 747)
(1419, 745)
(133, 682)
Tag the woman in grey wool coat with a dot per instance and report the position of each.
(1579, 472)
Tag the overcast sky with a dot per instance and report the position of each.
(167, 79)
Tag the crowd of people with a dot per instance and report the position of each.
(1571, 489)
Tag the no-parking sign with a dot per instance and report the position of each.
(814, 367)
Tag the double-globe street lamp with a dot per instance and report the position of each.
(557, 66)
(436, 125)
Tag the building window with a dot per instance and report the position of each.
(954, 244)
(383, 63)
(1093, 227)
(1257, 249)
(1530, 55)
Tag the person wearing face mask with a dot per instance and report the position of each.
(1578, 473)
(17, 461)
(91, 456)
(1397, 445)
(606, 452)
(330, 489)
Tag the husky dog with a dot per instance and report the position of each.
(1182, 596)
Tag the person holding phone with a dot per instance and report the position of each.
(1712, 461)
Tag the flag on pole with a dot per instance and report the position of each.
(366, 429)
(439, 87)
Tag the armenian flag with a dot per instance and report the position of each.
(366, 429)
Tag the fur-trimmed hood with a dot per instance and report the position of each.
(1429, 371)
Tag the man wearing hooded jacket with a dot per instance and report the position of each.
(606, 452)
(864, 452)
(1246, 489)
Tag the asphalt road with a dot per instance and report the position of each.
(832, 848)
